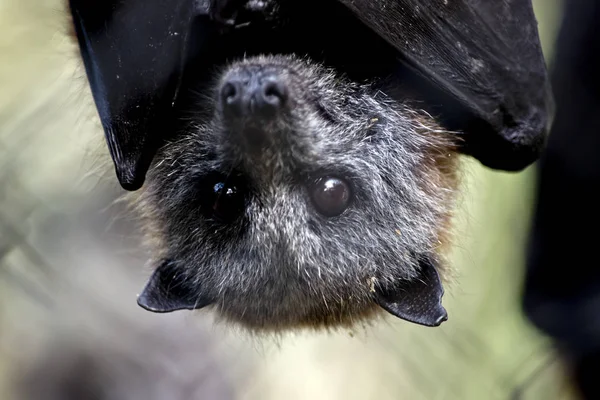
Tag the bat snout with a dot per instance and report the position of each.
(253, 101)
(246, 95)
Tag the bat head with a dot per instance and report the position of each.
(297, 197)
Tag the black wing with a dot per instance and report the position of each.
(486, 58)
(133, 52)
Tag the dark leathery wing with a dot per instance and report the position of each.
(484, 54)
(133, 52)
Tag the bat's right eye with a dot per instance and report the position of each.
(330, 196)
(223, 198)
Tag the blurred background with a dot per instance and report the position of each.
(71, 265)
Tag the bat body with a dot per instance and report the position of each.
(297, 160)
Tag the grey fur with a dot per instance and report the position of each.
(283, 265)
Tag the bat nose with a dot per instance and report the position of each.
(259, 96)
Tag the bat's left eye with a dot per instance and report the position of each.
(330, 196)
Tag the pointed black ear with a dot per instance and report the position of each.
(168, 290)
(418, 300)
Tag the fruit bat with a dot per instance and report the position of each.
(295, 161)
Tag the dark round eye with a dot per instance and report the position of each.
(223, 198)
(228, 200)
(330, 196)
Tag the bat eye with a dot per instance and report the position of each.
(223, 198)
(228, 200)
(330, 196)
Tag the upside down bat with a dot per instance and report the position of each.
(295, 162)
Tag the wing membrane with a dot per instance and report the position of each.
(483, 54)
(133, 52)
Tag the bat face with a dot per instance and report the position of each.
(296, 197)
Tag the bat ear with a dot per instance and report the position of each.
(134, 55)
(418, 300)
(168, 290)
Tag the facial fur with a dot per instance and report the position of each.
(275, 262)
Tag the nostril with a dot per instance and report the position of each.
(274, 93)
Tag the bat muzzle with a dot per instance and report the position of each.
(250, 96)
(252, 103)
